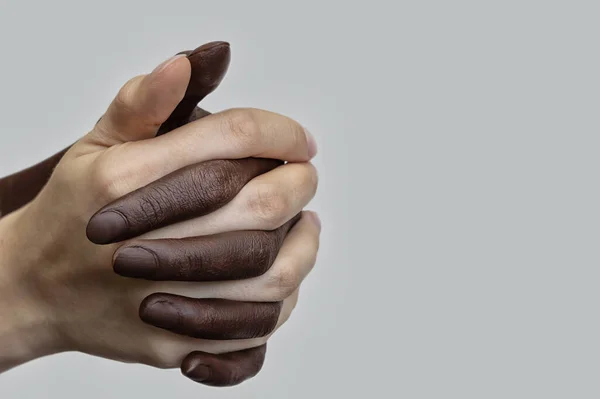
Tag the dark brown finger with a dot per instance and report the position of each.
(228, 256)
(209, 66)
(216, 319)
(142, 210)
(225, 370)
(184, 194)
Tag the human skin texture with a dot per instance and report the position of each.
(228, 256)
(209, 66)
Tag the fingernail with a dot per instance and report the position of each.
(316, 219)
(160, 314)
(136, 262)
(197, 372)
(166, 63)
(312, 143)
(106, 227)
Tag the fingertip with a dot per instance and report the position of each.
(314, 218)
(195, 369)
(166, 64)
(173, 74)
(224, 370)
(311, 144)
(106, 227)
(209, 64)
(145, 102)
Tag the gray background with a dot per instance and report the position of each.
(459, 196)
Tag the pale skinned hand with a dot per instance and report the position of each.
(228, 256)
(71, 292)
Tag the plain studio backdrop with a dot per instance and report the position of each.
(459, 165)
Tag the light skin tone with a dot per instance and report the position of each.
(229, 256)
(58, 291)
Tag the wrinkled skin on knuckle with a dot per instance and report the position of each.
(152, 208)
(305, 178)
(214, 184)
(238, 255)
(126, 94)
(108, 182)
(110, 177)
(242, 127)
(186, 261)
(269, 205)
(267, 314)
(282, 283)
(263, 247)
(124, 102)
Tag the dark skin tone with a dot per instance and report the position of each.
(227, 256)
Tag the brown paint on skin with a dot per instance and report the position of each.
(212, 318)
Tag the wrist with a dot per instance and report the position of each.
(26, 329)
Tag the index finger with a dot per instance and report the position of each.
(232, 134)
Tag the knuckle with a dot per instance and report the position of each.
(243, 126)
(124, 100)
(308, 179)
(263, 250)
(113, 178)
(283, 282)
(153, 205)
(269, 205)
(161, 353)
(212, 184)
(163, 357)
(109, 182)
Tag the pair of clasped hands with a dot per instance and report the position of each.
(167, 235)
